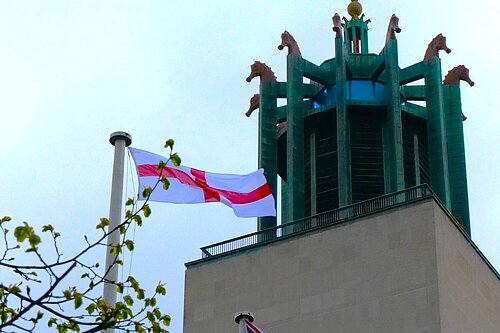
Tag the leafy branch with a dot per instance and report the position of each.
(77, 309)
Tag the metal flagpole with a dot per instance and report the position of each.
(240, 317)
(120, 140)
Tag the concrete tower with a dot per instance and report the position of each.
(375, 233)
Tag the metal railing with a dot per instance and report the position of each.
(322, 220)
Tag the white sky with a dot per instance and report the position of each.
(72, 72)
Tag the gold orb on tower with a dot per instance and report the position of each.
(355, 9)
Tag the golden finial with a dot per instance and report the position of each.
(355, 9)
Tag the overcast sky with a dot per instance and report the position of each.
(72, 72)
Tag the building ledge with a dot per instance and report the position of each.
(328, 219)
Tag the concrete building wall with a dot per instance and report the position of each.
(469, 294)
(376, 274)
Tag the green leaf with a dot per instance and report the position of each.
(34, 240)
(138, 220)
(138, 327)
(150, 316)
(128, 300)
(129, 202)
(78, 299)
(165, 183)
(166, 320)
(133, 282)
(119, 288)
(160, 289)
(51, 321)
(90, 308)
(129, 244)
(176, 160)
(14, 289)
(22, 232)
(115, 249)
(5, 219)
(160, 165)
(67, 294)
(169, 143)
(84, 275)
(104, 223)
(140, 294)
(147, 192)
(47, 227)
(146, 210)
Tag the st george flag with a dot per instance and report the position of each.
(251, 328)
(248, 195)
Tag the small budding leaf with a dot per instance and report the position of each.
(169, 143)
(129, 202)
(176, 160)
(146, 210)
(133, 282)
(51, 321)
(67, 294)
(104, 223)
(14, 289)
(166, 320)
(22, 232)
(160, 289)
(47, 227)
(91, 308)
(115, 249)
(129, 244)
(165, 183)
(128, 300)
(147, 192)
(138, 220)
(78, 299)
(140, 294)
(5, 219)
(160, 165)
(34, 240)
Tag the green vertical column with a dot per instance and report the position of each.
(343, 128)
(284, 201)
(393, 134)
(456, 155)
(312, 159)
(438, 157)
(267, 145)
(295, 139)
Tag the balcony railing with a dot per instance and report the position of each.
(322, 220)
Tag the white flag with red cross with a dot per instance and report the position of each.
(248, 195)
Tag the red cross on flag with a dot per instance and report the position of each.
(248, 195)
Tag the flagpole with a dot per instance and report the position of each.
(120, 140)
(240, 318)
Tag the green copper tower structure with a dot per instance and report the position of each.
(374, 235)
(359, 126)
